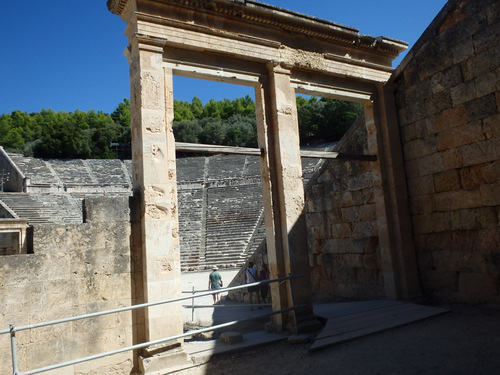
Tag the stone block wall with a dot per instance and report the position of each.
(448, 96)
(75, 269)
(342, 228)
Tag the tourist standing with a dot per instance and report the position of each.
(264, 288)
(251, 277)
(214, 283)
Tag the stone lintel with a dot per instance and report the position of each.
(232, 46)
(251, 14)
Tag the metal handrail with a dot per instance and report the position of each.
(13, 329)
(143, 305)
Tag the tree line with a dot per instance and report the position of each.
(97, 135)
(66, 135)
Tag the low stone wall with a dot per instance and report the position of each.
(75, 269)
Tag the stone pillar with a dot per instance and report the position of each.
(153, 155)
(283, 195)
(398, 258)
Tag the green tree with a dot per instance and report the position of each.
(60, 137)
(241, 131)
(5, 126)
(187, 131)
(325, 119)
(183, 111)
(212, 110)
(13, 139)
(121, 115)
(212, 131)
(244, 106)
(197, 107)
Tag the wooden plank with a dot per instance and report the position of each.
(331, 310)
(366, 325)
(363, 319)
(371, 329)
(336, 326)
(339, 326)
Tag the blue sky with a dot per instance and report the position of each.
(68, 54)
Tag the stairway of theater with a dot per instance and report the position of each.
(220, 210)
(70, 173)
(232, 218)
(219, 199)
(44, 208)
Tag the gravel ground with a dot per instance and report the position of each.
(464, 341)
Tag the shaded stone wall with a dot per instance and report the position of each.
(9, 242)
(448, 95)
(342, 228)
(75, 269)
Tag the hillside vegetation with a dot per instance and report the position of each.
(97, 135)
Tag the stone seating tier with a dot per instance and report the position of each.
(44, 208)
(219, 198)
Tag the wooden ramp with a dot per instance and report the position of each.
(350, 320)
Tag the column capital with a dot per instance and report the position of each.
(148, 43)
(279, 67)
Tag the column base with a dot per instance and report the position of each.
(308, 324)
(305, 325)
(163, 360)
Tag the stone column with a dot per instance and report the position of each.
(153, 154)
(283, 195)
(398, 258)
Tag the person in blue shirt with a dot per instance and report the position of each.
(252, 277)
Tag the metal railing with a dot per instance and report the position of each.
(194, 295)
(13, 329)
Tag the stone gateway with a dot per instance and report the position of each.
(420, 222)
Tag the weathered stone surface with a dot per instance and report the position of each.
(458, 199)
(446, 79)
(471, 177)
(420, 147)
(455, 214)
(461, 94)
(459, 136)
(482, 107)
(101, 209)
(481, 152)
(446, 181)
(231, 337)
(482, 63)
(490, 126)
(488, 83)
(421, 186)
(422, 224)
(450, 118)
(421, 205)
(76, 269)
(438, 102)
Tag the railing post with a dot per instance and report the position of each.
(192, 306)
(15, 370)
(294, 315)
